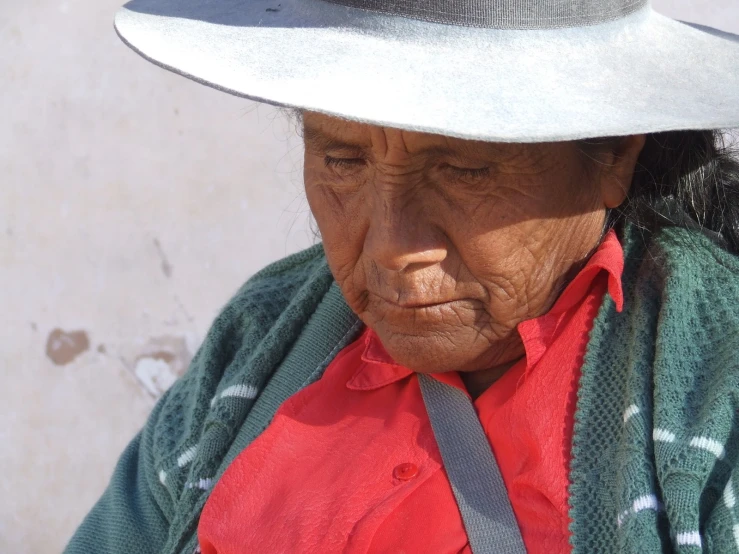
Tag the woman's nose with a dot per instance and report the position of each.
(401, 238)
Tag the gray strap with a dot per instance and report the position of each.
(472, 470)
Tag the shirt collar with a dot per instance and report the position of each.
(609, 257)
(377, 369)
(538, 333)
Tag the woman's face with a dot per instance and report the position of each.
(443, 246)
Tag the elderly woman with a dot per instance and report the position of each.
(521, 330)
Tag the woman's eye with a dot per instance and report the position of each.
(343, 163)
(468, 173)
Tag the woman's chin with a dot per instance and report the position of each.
(433, 350)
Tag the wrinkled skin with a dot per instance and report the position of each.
(443, 246)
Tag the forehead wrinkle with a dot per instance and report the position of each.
(443, 146)
(379, 143)
(386, 141)
(322, 140)
(465, 148)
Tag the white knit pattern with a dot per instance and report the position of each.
(203, 483)
(730, 503)
(630, 412)
(187, 456)
(729, 498)
(237, 391)
(162, 476)
(689, 538)
(646, 502)
(711, 445)
(663, 435)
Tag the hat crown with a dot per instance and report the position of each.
(504, 14)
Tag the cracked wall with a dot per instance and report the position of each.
(133, 204)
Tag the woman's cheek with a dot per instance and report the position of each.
(343, 243)
(349, 274)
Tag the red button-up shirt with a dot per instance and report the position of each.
(350, 464)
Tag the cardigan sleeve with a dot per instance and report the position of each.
(128, 517)
(722, 527)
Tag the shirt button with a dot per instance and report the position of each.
(405, 472)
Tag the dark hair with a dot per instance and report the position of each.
(682, 178)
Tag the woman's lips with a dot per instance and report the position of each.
(409, 315)
(410, 303)
(419, 305)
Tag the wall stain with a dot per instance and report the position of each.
(62, 347)
(101, 348)
(166, 266)
(166, 357)
(159, 363)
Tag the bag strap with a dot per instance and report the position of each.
(472, 470)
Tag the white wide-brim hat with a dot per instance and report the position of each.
(493, 70)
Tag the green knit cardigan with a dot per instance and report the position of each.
(656, 440)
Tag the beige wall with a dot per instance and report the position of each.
(133, 203)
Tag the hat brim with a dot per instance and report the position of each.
(642, 73)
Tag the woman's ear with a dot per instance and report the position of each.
(617, 171)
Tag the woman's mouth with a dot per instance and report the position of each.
(411, 302)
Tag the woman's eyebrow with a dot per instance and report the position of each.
(320, 140)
